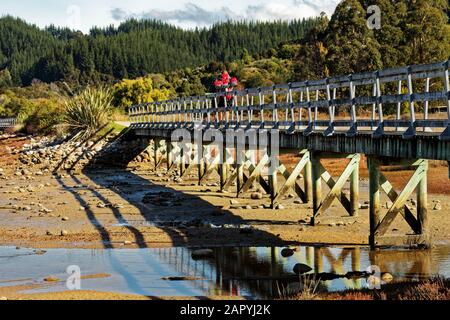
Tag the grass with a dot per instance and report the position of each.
(307, 289)
(432, 289)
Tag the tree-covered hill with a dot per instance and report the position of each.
(133, 49)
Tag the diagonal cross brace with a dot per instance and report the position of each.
(399, 202)
(291, 179)
(336, 187)
(393, 195)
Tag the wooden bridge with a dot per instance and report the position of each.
(6, 123)
(383, 115)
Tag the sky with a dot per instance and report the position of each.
(84, 14)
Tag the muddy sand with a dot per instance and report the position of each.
(129, 208)
(135, 208)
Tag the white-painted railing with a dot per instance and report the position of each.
(7, 122)
(350, 103)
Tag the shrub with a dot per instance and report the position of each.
(89, 111)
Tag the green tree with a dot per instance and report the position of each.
(131, 92)
(351, 45)
(5, 79)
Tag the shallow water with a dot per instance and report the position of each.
(232, 271)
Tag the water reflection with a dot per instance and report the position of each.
(249, 272)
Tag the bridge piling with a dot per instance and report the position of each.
(379, 226)
(351, 172)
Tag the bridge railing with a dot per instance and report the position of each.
(394, 100)
(7, 122)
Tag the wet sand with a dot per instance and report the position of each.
(105, 209)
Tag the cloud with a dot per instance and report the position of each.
(192, 14)
(119, 14)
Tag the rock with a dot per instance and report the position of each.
(248, 207)
(413, 202)
(279, 207)
(387, 277)
(49, 233)
(234, 202)
(301, 268)
(256, 195)
(127, 243)
(298, 202)
(287, 252)
(51, 279)
(437, 206)
(332, 224)
(65, 218)
(64, 233)
(202, 253)
(364, 206)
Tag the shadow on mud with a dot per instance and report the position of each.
(189, 221)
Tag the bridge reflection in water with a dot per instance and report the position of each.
(264, 273)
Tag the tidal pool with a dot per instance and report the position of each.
(253, 273)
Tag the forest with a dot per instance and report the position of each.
(133, 49)
(143, 61)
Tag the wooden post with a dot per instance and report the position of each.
(316, 184)
(223, 167)
(374, 194)
(308, 182)
(156, 152)
(240, 157)
(169, 150)
(422, 205)
(354, 191)
(201, 165)
(182, 166)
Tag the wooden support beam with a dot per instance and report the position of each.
(399, 203)
(374, 195)
(330, 183)
(185, 170)
(201, 165)
(336, 190)
(224, 168)
(308, 181)
(291, 179)
(169, 152)
(273, 183)
(393, 195)
(422, 207)
(317, 171)
(336, 187)
(354, 191)
(379, 227)
(234, 175)
(255, 174)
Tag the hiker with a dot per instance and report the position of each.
(225, 83)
